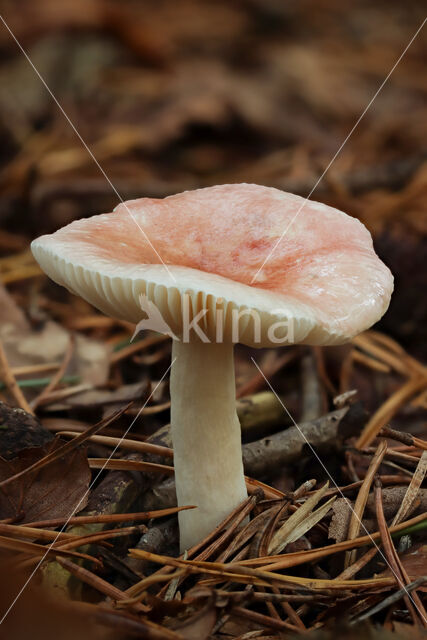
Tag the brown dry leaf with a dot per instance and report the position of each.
(20, 430)
(199, 625)
(414, 562)
(53, 492)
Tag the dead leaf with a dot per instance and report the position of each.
(199, 625)
(414, 562)
(20, 430)
(53, 492)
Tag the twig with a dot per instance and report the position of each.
(61, 394)
(286, 447)
(150, 581)
(401, 436)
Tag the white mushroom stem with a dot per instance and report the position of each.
(206, 437)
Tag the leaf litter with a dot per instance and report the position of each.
(206, 94)
(54, 491)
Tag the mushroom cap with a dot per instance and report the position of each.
(323, 280)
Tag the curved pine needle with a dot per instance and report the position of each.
(389, 409)
(361, 500)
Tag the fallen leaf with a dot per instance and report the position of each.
(20, 430)
(414, 562)
(199, 625)
(53, 492)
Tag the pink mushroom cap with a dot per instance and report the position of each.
(323, 275)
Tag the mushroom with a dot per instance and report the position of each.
(322, 285)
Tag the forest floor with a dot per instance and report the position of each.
(332, 537)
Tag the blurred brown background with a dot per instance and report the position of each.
(176, 95)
